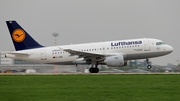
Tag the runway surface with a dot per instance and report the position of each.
(82, 73)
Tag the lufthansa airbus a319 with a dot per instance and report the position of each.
(111, 53)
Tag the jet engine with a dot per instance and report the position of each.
(115, 61)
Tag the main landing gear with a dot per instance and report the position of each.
(94, 69)
(148, 64)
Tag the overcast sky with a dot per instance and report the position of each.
(79, 21)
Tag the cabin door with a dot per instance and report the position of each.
(146, 45)
(43, 54)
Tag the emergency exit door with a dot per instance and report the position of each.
(43, 54)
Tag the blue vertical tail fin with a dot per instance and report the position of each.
(21, 39)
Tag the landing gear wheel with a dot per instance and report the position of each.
(96, 70)
(149, 67)
(91, 70)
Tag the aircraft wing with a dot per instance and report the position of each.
(83, 54)
(86, 55)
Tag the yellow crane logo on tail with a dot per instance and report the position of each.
(18, 35)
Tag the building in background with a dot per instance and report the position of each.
(5, 61)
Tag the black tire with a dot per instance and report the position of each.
(96, 70)
(149, 67)
(91, 70)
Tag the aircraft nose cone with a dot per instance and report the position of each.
(170, 48)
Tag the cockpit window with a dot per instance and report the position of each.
(160, 43)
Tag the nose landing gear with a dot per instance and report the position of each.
(148, 64)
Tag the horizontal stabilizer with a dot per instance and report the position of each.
(18, 53)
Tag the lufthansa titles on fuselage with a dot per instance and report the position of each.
(126, 43)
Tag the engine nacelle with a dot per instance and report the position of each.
(115, 61)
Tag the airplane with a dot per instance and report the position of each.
(111, 53)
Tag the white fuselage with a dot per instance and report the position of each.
(130, 49)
